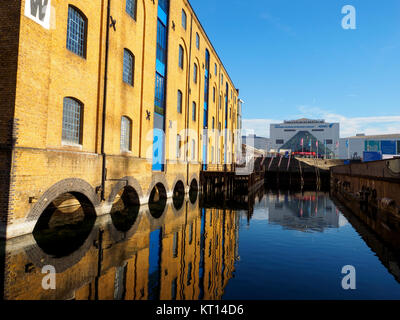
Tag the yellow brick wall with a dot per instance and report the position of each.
(48, 72)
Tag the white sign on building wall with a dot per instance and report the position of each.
(39, 11)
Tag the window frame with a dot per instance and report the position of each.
(195, 73)
(129, 135)
(65, 141)
(184, 19)
(178, 146)
(134, 16)
(214, 91)
(132, 83)
(85, 33)
(197, 41)
(194, 107)
(181, 57)
(193, 149)
(180, 101)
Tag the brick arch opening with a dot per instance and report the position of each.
(123, 183)
(82, 190)
(194, 190)
(40, 258)
(158, 200)
(125, 209)
(64, 217)
(178, 196)
(118, 235)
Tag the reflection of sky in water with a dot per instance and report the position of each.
(295, 247)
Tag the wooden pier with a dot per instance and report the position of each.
(233, 178)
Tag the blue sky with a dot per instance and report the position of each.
(292, 58)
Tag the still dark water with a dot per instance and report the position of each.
(275, 245)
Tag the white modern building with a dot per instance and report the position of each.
(353, 147)
(305, 135)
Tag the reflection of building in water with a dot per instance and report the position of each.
(186, 255)
(309, 211)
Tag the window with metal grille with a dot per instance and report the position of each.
(161, 42)
(194, 111)
(72, 121)
(195, 73)
(76, 32)
(129, 61)
(179, 101)
(181, 55)
(197, 41)
(184, 19)
(126, 125)
(131, 8)
(159, 101)
(178, 146)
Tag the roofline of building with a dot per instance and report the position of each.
(375, 136)
(212, 46)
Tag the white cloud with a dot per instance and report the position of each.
(352, 126)
(348, 126)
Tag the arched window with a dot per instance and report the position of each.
(215, 69)
(193, 149)
(131, 8)
(128, 66)
(179, 101)
(197, 41)
(72, 121)
(178, 146)
(195, 73)
(181, 55)
(76, 32)
(126, 130)
(184, 19)
(194, 111)
(214, 94)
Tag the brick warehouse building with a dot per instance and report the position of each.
(148, 67)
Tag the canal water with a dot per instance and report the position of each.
(271, 245)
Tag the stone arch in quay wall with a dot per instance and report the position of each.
(194, 176)
(81, 189)
(123, 183)
(156, 179)
(179, 177)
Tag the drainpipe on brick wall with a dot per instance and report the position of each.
(104, 168)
